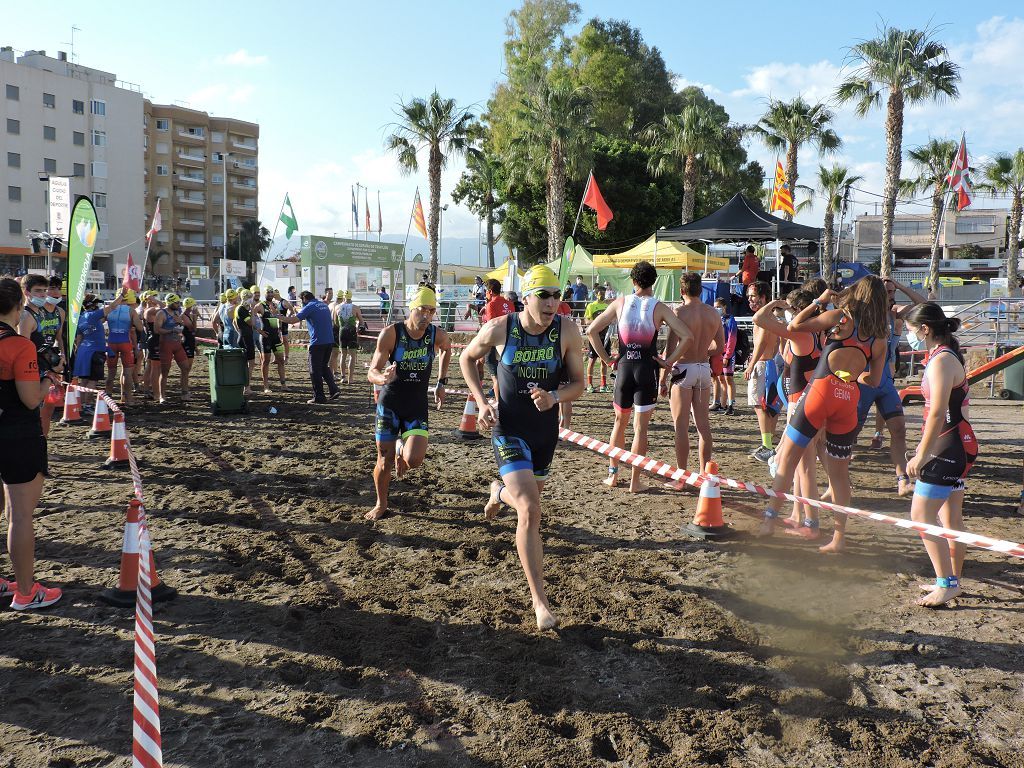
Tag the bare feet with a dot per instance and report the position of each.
(767, 528)
(835, 546)
(401, 465)
(611, 481)
(493, 505)
(939, 596)
(793, 520)
(904, 487)
(545, 618)
(376, 513)
(805, 532)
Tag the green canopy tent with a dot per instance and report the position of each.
(666, 287)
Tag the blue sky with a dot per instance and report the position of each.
(322, 79)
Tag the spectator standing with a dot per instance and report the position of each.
(321, 341)
(750, 267)
(579, 296)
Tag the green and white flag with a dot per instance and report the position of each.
(291, 224)
(82, 235)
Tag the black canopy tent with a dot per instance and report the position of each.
(742, 220)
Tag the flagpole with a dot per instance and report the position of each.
(149, 242)
(380, 223)
(352, 197)
(579, 212)
(277, 223)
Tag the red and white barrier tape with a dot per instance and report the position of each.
(146, 743)
(681, 476)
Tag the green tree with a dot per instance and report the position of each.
(630, 85)
(931, 164)
(1005, 173)
(439, 127)
(477, 189)
(906, 67)
(786, 126)
(689, 142)
(833, 184)
(249, 243)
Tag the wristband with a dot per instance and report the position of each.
(442, 381)
(554, 395)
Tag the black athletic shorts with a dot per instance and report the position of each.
(348, 338)
(592, 353)
(153, 346)
(22, 458)
(246, 342)
(636, 384)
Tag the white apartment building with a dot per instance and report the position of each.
(58, 118)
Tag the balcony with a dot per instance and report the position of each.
(192, 202)
(246, 169)
(192, 138)
(194, 181)
(248, 209)
(243, 145)
(194, 161)
(192, 245)
(244, 186)
(190, 224)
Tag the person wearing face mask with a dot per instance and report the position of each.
(401, 367)
(23, 459)
(42, 322)
(725, 386)
(91, 341)
(948, 447)
(537, 350)
(169, 323)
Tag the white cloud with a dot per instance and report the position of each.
(213, 98)
(816, 82)
(242, 58)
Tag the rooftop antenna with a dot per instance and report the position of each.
(74, 56)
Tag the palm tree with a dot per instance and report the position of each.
(687, 143)
(1005, 173)
(908, 67)
(477, 189)
(551, 131)
(931, 164)
(439, 126)
(833, 184)
(250, 242)
(787, 126)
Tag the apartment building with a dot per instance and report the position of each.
(201, 168)
(58, 118)
(984, 229)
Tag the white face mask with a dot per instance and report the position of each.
(916, 342)
(788, 315)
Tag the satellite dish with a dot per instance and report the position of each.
(418, 257)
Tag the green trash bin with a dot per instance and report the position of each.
(446, 315)
(1013, 379)
(229, 373)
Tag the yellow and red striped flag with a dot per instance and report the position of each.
(782, 195)
(417, 214)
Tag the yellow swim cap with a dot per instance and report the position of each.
(223, 296)
(423, 297)
(230, 294)
(254, 289)
(129, 297)
(172, 298)
(348, 294)
(188, 303)
(539, 278)
(245, 293)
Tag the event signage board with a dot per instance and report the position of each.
(338, 251)
(60, 206)
(233, 268)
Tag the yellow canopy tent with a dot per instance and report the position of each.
(664, 254)
(500, 273)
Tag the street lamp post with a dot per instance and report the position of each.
(224, 200)
(440, 238)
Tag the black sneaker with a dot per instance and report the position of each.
(715, 408)
(763, 453)
(315, 401)
(334, 395)
(729, 410)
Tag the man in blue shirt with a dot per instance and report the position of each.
(321, 341)
(579, 296)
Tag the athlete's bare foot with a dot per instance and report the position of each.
(835, 546)
(611, 481)
(938, 596)
(493, 505)
(805, 532)
(767, 528)
(827, 495)
(401, 465)
(793, 519)
(376, 513)
(545, 618)
(904, 487)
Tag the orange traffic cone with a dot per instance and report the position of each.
(707, 521)
(118, 444)
(101, 419)
(72, 407)
(128, 580)
(467, 426)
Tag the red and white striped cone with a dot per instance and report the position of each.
(707, 520)
(128, 579)
(118, 444)
(101, 419)
(72, 408)
(467, 425)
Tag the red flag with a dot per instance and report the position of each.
(593, 199)
(132, 280)
(157, 222)
(959, 178)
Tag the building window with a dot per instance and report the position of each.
(162, 148)
(14, 194)
(163, 124)
(49, 101)
(13, 93)
(14, 226)
(99, 138)
(869, 255)
(161, 170)
(98, 107)
(78, 107)
(49, 133)
(217, 178)
(198, 132)
(145, 142)
(976, 225)
(49, 165)
(13, 160)
(99, 199)
(217, 137)
(79, 169)
(99, 170)
(78, 137)
(911, 228)
(13, 126)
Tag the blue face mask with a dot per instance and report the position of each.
(38, 301)
(916, 342)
